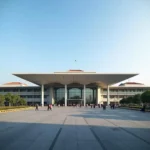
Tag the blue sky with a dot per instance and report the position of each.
(49, 35)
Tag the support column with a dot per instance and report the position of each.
(51, 96)
(84, 95)
(108, 96)
(98, 95)
(65, 94)
(42, 95)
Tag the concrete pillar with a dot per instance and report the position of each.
(65, 94)
(98, 95)
(108, 96)
(51, 96)
(84, 91)
(42, 95)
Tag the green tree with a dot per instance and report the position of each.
(17, 100)
(145, 97)
(13, 100)
(22, 101)
(2, 100)
(8, 98)
(127, 100)
(136, 99)
(130, 100)
(123, 101)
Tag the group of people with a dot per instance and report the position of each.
(49, 107)
(112, 106)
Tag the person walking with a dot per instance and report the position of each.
(94, 105)
(113, 106)
(48, 107)
(104, 107)
(51, 108)
(144, 107)
(36, 107)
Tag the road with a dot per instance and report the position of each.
(75, 129)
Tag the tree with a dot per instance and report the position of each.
(145, 97)
(14, 100)
(123, 101)
(129, 100)
(126, 100)
(21, 101)
(8, 98)
(2, 100)
(136, 99)
(17, 99)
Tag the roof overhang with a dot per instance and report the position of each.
(102, 79)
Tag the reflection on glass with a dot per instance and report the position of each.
(75, 94)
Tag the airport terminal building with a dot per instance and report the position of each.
(74, 87)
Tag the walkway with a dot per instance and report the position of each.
(75, 129)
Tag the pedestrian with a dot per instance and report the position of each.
(144, 107)
(113, 106)
(36, 107)
(104, 107)
(51, 107)
(48, 107)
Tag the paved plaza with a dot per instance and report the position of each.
(75, 129)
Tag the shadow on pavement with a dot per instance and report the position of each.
(39, 136)
(117, 114)
(75, 129)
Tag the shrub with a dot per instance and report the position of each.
(145, 97)
(2, 100)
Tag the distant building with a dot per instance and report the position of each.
(13, 84)
(74, 87)
(131, 84)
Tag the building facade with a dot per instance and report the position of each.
(75, 93)
(74, 87)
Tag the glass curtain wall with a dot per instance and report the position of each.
(59, 95)
(91, 95)
(75, 94)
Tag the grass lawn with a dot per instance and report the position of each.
(13, 108)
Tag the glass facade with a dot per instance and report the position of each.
(75, 95)
(59, 94)
(91, 95)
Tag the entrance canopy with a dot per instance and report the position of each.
(75, 76)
